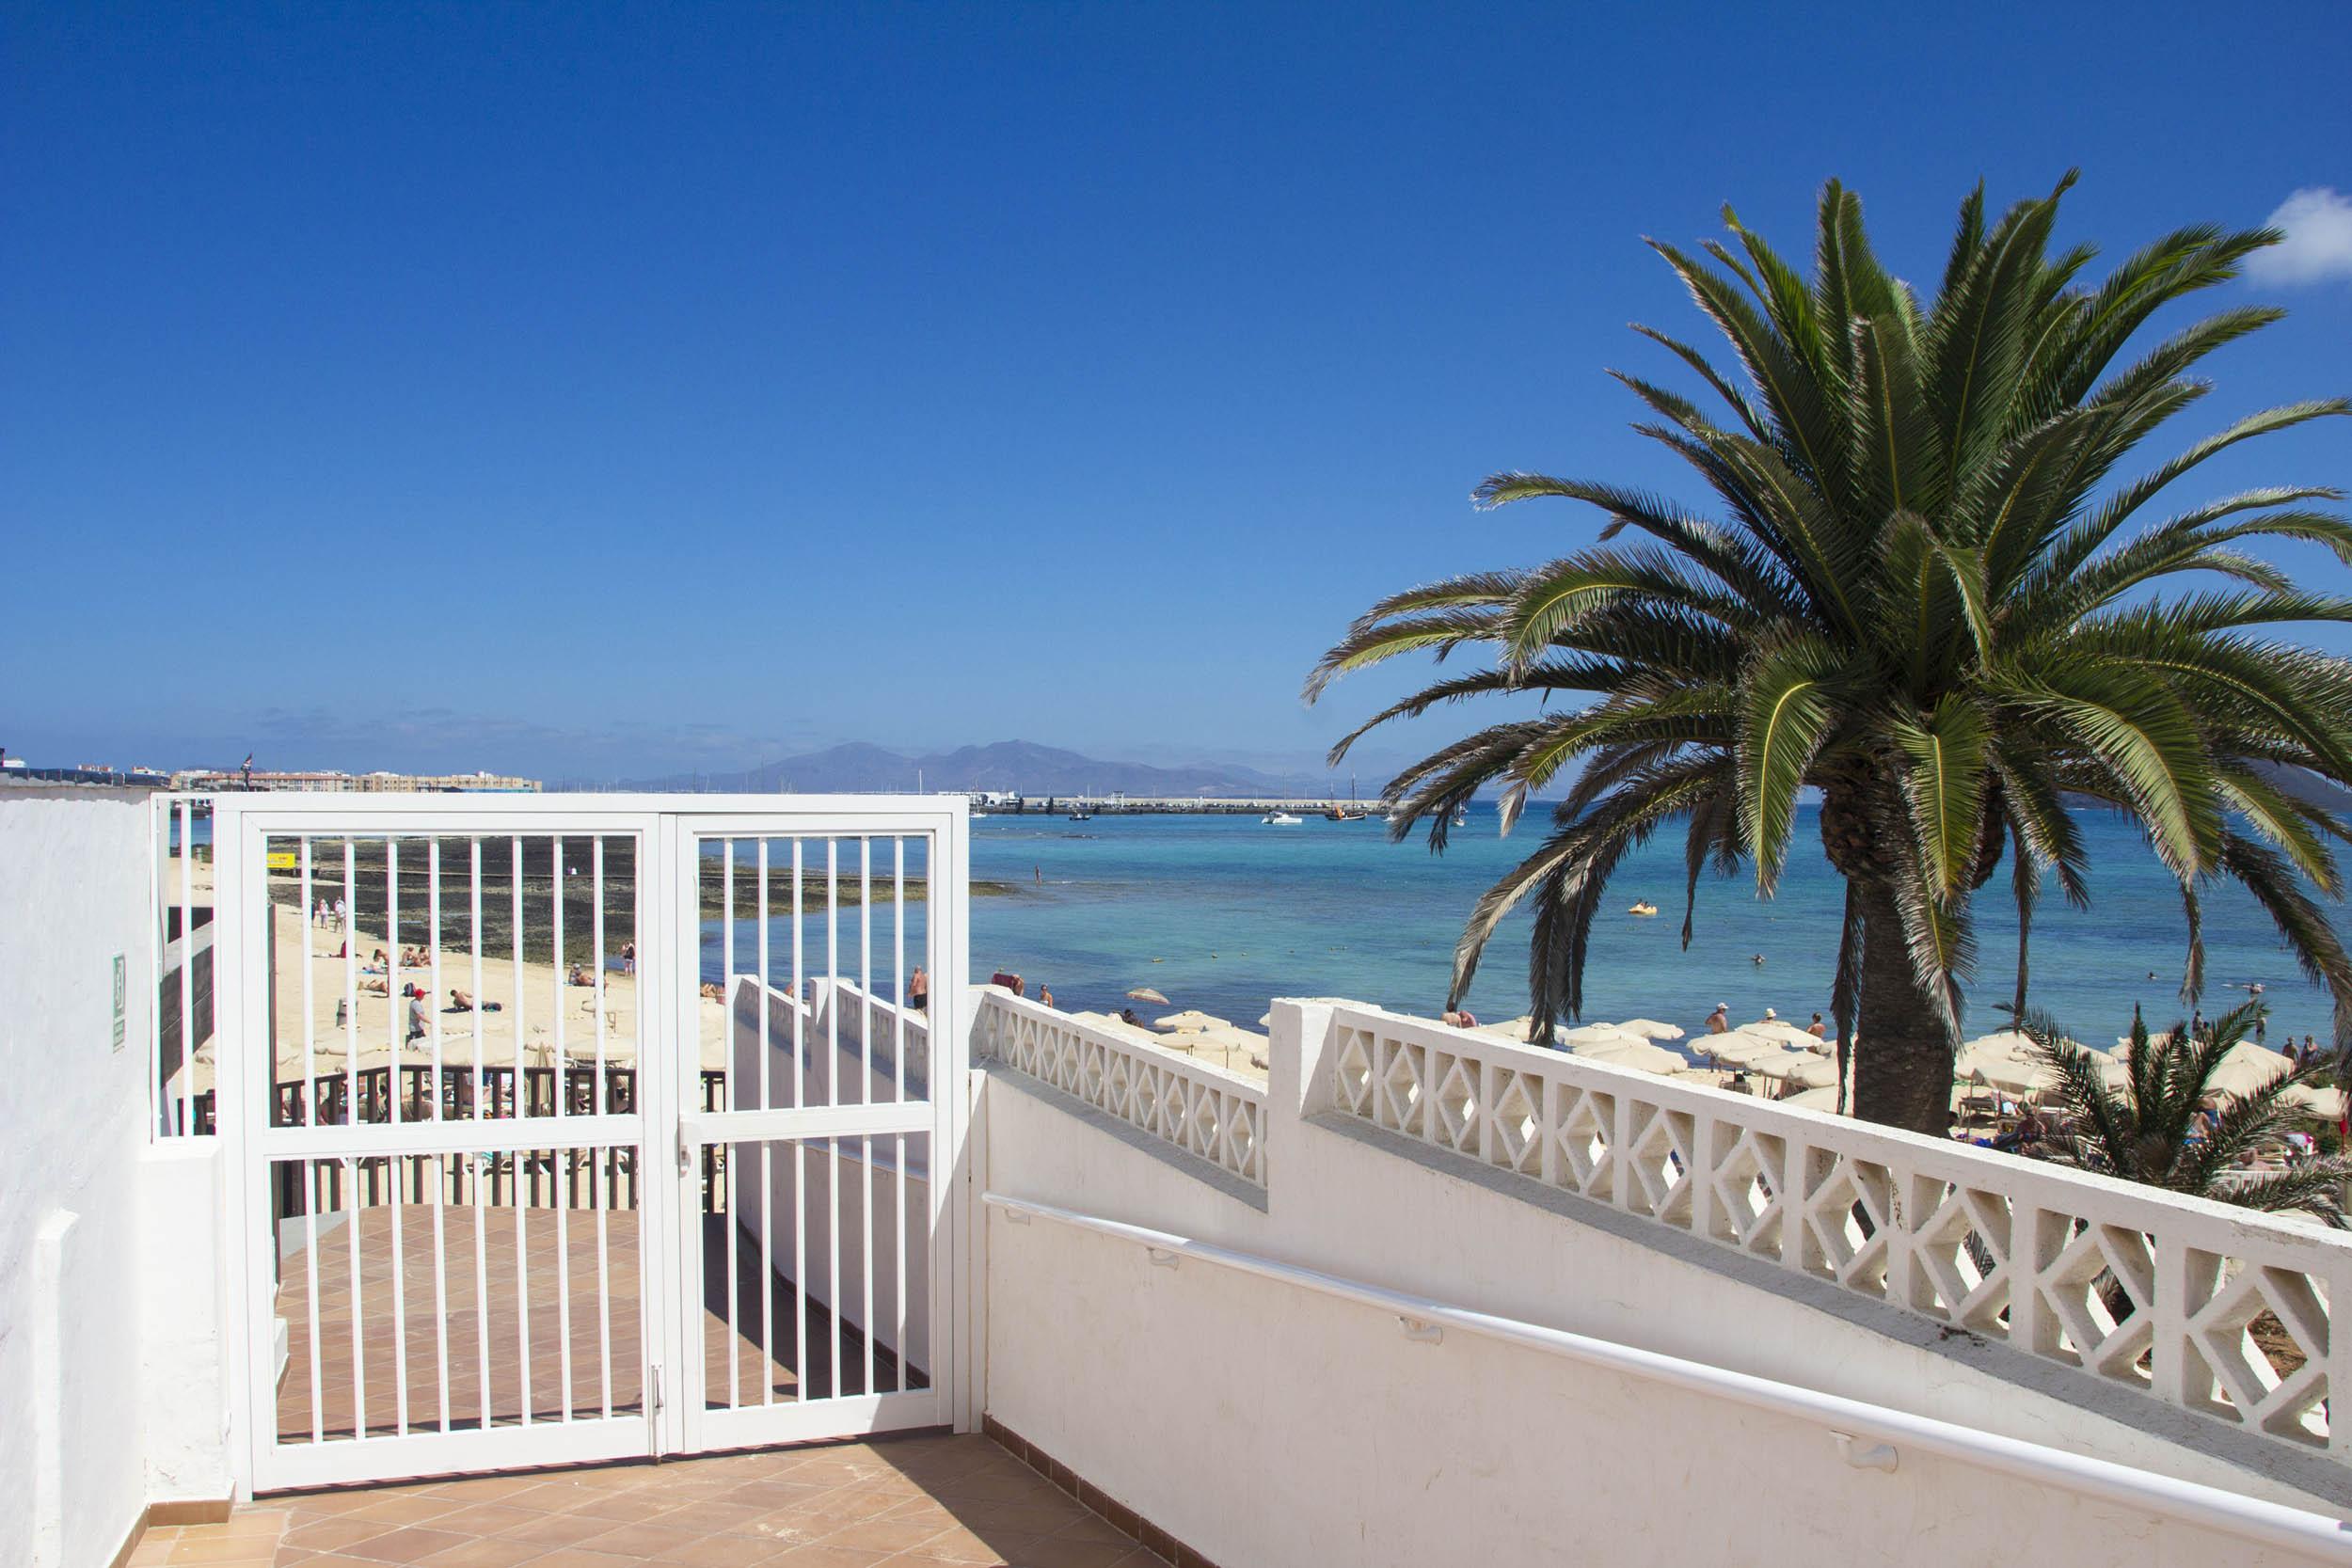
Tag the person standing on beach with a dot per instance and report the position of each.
(341, 915)
(628, 957)
(1818, 1030)
(1719, 1021)
(919, 990)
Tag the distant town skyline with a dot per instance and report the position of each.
(581, 392)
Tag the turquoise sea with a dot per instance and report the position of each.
(1223, 912)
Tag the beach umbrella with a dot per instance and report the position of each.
(1225, 1045)
(1650, 1029)
(2327, 1104)
(1822, 1099)
(1626, 1051)
(1783, 1032)
(1801, 1067)
(2026, 1075)
(1145, 993)
(1588, 1033)
(1515, 1029)
(2246, 1066)
(1191, 1018)
(1737, 1048)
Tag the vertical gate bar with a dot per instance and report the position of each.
(473, 905)
(600, 1197)
(398, 1019)
(350, 900)
(399, 1033)
(800, 990)
(866, 1255)
(833, 975)
(562, 1064)
(433, 961)
(308, 1101)
(866, 969)
(800, 1149)
(522, 1106)
(733, 1101)
(865, 1081)
(833, 1292)
(767, 1163)
(481, 1256)
(600, 1194)
(400, 1305)
(359, 1310)
(833, 1097)
(311, 1268)
(517, 1158)
(603, 1102)
(187, 966)
(901, 1208)
(898, 923)
(441, 1164)
(310, 1008)
(562, 1198)
(441, 1167)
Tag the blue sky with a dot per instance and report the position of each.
(596, 390)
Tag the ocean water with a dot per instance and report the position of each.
(1223, 913)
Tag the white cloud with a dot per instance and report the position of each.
(2318, 246)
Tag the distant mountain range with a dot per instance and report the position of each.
(1004, 765)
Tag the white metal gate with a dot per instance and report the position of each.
(565, 1128)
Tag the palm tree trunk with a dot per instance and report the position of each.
(1903, 1060)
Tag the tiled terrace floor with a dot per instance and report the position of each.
(914, 1502)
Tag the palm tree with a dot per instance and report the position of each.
(2144, 1131)
(1921, 595)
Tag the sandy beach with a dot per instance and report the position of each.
(528, 1003)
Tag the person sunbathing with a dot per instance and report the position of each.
(459, 1001)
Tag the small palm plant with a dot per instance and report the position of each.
(2150, 1131)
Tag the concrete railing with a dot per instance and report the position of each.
(1202, 1110)
(2215, 1309)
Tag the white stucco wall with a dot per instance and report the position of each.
(73, 893)
(1267, 1425)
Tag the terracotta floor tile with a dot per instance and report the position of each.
(490, 1552)
(828, 1556)
(485, 1518)
(334, 1533)
(622, 1508)
(408, 1544)
(219, 1551)
(887, 1535)
(727, 1551)
(405, 1509)
(550, 1531)
(643, 1539)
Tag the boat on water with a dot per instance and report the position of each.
(1346, 814)
(1082, 817)
(1461, 819)
(1642, 906)
(1280, 819)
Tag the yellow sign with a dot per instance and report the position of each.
(282, 860)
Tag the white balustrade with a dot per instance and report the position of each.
(1202, 1110)
(2220, 1310)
